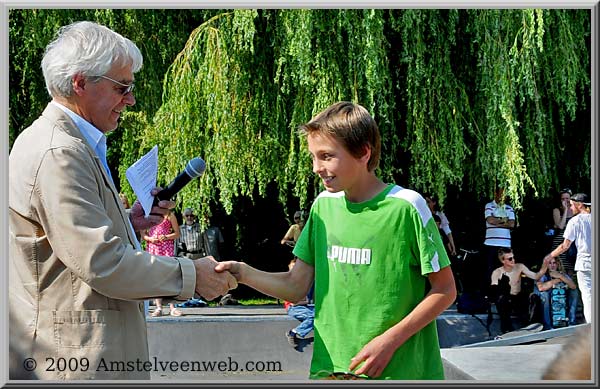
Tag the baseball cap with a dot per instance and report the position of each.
(581, 198)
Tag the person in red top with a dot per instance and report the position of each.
(160, 240)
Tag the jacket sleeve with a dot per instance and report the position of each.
(78, 211)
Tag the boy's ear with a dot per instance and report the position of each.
(366, 154)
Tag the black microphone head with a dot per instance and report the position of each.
(195, 167)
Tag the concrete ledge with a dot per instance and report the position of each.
(503, 364)
(249, 344)
(529, 338)
(228, 348)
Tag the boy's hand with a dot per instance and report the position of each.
(376, 355)
(210, 284)
(234, 267)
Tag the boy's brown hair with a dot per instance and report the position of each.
(352, 125)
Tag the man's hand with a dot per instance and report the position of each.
(209, 283)
(141, 222)
(233, 267)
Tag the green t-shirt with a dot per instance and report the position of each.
(371, 260)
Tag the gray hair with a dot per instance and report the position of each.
(85, 48)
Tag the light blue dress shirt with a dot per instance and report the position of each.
(94, 136)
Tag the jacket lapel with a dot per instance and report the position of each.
(64, 122)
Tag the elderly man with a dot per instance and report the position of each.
(189, 243)
(78, 277)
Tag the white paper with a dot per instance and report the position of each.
(142, 178)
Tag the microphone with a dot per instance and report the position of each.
(194, 169)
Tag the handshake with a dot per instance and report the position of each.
(211, 283)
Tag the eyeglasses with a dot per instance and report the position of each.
(188, 215)
(126, 88)
(509, 258)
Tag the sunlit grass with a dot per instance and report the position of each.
(251, 302)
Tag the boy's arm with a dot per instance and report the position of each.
(561, 248)
(291, 286)
(535, 276)
(377, 353)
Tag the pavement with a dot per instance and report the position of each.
(247, 343)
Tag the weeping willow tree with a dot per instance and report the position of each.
(438, 114)
(484, 95)
(466, 99)
(244, 82)
(483, 87)
(523, 74)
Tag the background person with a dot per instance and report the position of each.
(554, 278)
(190, 242)
(79, 293)
(125, 201)
(213, 242)
(506, 287)
(432, 203)
(579, 231)
(499, 221)
(160, 241)
(304, 311)
(293, 233)
(561, 216)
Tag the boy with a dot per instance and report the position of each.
(380, 270)
(506, 286)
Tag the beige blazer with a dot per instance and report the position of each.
(76, 281)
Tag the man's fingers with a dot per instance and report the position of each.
(166, 204)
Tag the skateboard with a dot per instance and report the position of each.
(558, 306)
(530, 329)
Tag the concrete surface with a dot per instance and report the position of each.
(239, 343)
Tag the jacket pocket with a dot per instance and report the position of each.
(86, 338)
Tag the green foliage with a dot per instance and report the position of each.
(247, 85)
(463, 98)
(437, 104)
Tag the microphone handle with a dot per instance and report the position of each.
(173, 188)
